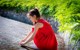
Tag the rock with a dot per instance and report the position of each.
(61, 43)
(12, 14)
(11, 32)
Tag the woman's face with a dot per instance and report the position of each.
(32, 18)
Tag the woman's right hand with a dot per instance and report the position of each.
(21, 43)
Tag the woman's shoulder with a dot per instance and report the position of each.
(39, 25)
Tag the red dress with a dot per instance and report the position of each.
(45, 37)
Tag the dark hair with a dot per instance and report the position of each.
(34, 12)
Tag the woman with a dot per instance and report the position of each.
(42, 36)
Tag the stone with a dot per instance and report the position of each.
(11, 33)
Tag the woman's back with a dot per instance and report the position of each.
(45, 37)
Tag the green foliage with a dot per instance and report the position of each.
(67, 12)
(76, 32)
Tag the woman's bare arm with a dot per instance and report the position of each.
(24, 39)
(37, 26)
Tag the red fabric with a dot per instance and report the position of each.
(45, 38)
